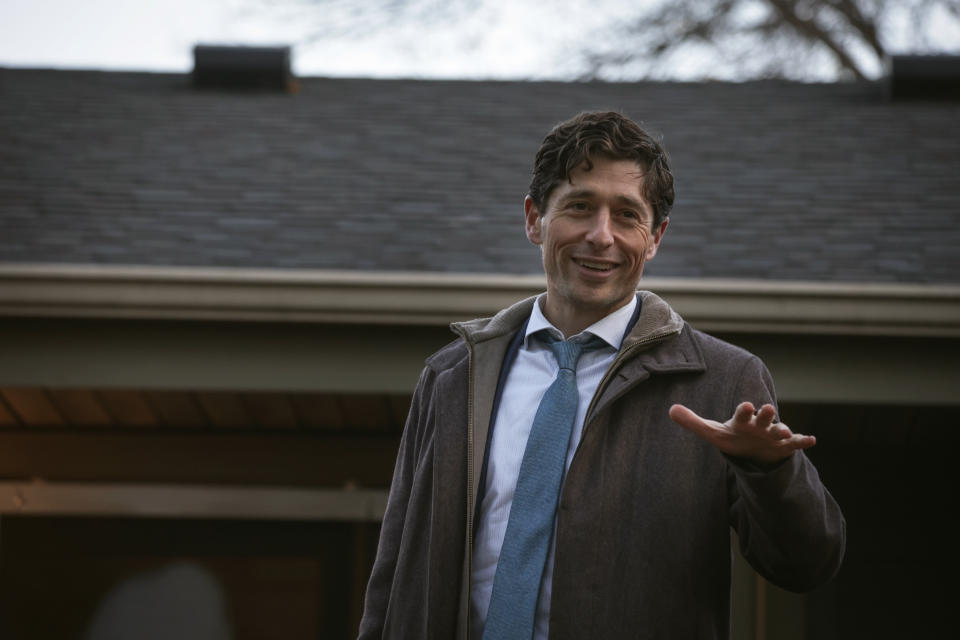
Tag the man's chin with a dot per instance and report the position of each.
(600, 301)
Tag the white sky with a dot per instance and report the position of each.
(508, 39)
(515, 40)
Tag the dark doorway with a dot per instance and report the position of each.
(87, 577)
(893, 471)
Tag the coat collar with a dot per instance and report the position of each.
(671, 348)
(505, 322)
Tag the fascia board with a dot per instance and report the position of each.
(414, 298)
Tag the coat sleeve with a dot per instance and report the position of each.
(790, 528)
(380, 585)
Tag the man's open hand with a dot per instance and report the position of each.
(748, 434)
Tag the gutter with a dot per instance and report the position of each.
(436, 299)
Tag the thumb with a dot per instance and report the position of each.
(687, 418)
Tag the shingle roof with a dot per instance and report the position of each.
(774, 180)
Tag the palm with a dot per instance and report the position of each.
(750, 434)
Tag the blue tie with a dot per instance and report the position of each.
(516, 583)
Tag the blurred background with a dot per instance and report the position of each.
(487, 39)
(231, 231)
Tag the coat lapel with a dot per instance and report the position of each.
(676, 354)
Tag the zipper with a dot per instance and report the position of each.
(619, 360)
(470, 507)
(470, 448)
(621, 357)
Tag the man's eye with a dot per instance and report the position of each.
(579, 206)
(633, 215)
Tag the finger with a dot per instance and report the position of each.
(799, 441)
(766, 415)
(779, 431)
(689, 420)
(744, 412)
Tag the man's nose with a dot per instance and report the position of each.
(600, 233)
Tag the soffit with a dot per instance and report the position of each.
(198, 411)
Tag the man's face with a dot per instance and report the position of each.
(596, 234)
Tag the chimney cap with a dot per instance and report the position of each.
(923, 77)
(242, 67)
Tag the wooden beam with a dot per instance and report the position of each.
(192, 501)
(7, 417)
(177, 408)
(81, 407)
(33, 407)
(223, 408)
(129, 407)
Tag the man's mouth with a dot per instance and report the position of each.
(596, 265)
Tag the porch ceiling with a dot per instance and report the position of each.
(133, 408)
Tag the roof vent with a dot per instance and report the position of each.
(234, 67)
(931, 77)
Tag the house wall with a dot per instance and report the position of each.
(52, 352)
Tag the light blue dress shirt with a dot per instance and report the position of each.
(532, 372)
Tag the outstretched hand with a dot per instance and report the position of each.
(749, 434)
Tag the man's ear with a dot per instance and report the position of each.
(657, 237)
(533, 221)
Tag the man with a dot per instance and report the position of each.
(555, 478)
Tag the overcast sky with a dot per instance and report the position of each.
(503, 40)
(508, 39)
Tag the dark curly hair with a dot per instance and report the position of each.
(606, 134)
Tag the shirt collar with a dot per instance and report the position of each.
(610, 329)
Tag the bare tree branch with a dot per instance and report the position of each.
(811, 30)
(654, 34)
(737, 38)
(856, 19)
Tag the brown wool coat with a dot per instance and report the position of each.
(643, 530)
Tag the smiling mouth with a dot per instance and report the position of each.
(595, 265)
